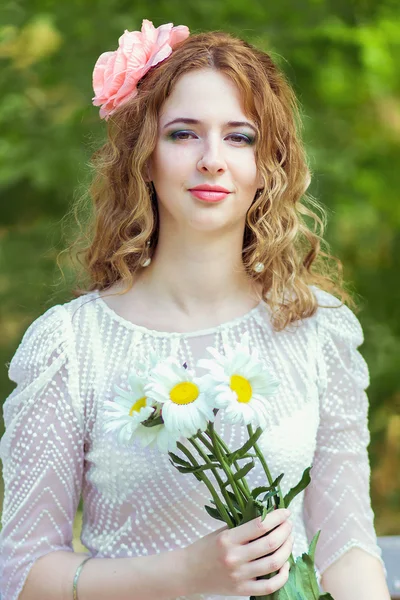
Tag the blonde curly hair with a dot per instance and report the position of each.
(284, 225)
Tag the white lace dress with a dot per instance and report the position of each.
(135, 502)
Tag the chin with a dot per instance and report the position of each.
(212, 225)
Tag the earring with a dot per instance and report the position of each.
(145, 262)
(259, 267)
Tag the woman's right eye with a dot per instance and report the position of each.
(177, 135)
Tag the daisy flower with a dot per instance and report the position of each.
(157, 436)
(240, 383)
(185, 406)
(128, 410)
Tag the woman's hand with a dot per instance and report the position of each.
(228, 561)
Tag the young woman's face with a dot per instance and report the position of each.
(210, 151)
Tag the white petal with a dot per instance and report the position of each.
(114, 407)
(166, 442)
(247, 412)
(170, 417)
(206, 410)
(253, 370)
(215, 354)
(261, 410)
(116, 424)
(144, 413)
(225, 398)
(123, 393)
(188, 421)
(158, 392)
(233, 415)
(163, 374)
(137, 386)
(125, 434)
(146, 435)
(239, 363)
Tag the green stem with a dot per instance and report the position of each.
(208, 483)
(265, 466)
(223, 489)
(225, 466)
(242, 484)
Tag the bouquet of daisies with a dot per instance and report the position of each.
(167, 404)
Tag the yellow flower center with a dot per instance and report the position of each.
(242, 387)
(141, 403)
(184, 393)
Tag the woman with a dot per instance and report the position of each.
(198, 238)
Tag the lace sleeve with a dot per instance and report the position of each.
(337, 501)
(41, 449)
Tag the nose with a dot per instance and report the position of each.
(212, 159)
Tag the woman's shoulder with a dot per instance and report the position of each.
(81, 306)
(335, 318)
(46, 340)
(53, 325)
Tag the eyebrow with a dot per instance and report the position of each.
(197, 122)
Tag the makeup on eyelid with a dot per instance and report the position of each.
(243, 137)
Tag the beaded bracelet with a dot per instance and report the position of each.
(78, 572)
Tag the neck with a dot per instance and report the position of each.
(199, 272)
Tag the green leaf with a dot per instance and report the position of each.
(250, 512)
(313, 545)
(259, 490)
(193, 469)
(234, 500)
(153, 422)
(179, 460)
(309, 580)
(288, 592)
(302, 582)
(303, 483)
(241, 473)
(214, 512)
(242, 451)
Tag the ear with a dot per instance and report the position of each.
(260, 182)
(148, 176)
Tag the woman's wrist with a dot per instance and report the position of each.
(178, 572)
(76, 578)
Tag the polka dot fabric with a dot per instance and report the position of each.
(135, 502)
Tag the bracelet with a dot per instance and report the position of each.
(78, 572)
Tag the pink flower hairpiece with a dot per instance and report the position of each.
(116, 74)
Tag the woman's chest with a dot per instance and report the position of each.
(130, 473)
(133, 474)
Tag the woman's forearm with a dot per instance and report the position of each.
(357, 575)
(155, 577)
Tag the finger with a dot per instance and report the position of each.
(263, 587)
(265, 566)
(256, 527)
(267, 544)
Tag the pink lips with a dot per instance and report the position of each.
(209, 193)
(209, 196)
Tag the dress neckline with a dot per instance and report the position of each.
(186, 334)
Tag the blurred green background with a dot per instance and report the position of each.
(342, 58)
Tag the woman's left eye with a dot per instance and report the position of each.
(241, 137)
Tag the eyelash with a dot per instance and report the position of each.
(245, 138)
